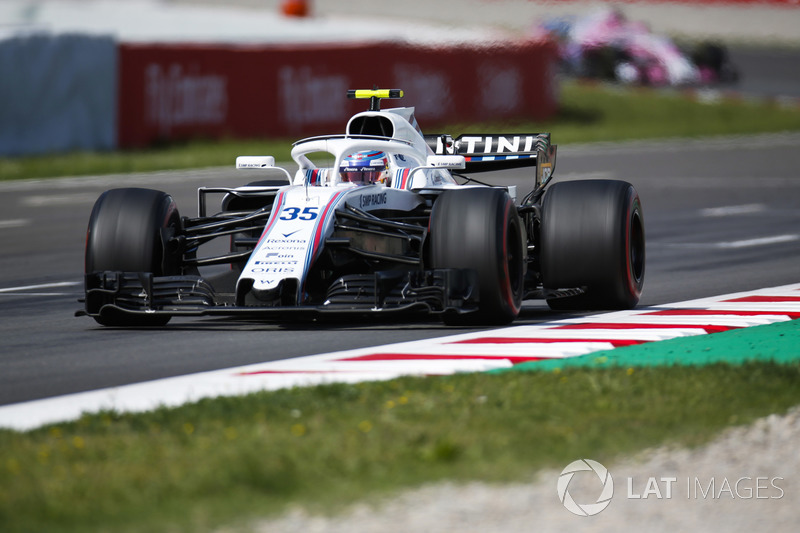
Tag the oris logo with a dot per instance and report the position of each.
(606, 493)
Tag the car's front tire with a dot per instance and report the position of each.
(592, 236)
(125, 235)
(479, 229)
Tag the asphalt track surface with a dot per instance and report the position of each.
(720, 216)
(766, 72)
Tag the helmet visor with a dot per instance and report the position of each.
(361, 177)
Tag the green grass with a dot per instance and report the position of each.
(596, 114)
(588, 113)
(223, 461)
(194, 154)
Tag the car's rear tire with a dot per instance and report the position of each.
(592, 236)
(125, 235)
(479, 229)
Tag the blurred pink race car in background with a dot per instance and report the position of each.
(606, 45)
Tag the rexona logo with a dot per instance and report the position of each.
(606, 493)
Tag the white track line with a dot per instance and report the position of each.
(704, 320)
(732, 210)
(747, 243)
(732, 245)
(470, 352)
(14, 223)
(41, 286)
(50, 200)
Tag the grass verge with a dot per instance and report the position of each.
(588, 113)
(226, 460)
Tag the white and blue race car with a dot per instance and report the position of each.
(383, 226)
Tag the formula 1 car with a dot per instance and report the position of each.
(387, 228)
(606, 45)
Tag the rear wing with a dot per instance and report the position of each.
(493, 151)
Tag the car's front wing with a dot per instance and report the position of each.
(134, 294)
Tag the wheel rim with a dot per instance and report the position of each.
(513, 261)
(636, 249)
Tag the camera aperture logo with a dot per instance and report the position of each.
(585, 509)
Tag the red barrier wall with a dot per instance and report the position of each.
(170, 92)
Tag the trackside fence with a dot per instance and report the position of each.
(57, 93)
(76, 92)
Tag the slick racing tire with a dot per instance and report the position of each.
(125, 235)
(479, 229)
(592, 237)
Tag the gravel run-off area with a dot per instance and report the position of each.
(746, 480)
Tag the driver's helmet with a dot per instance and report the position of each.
(365, 168)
